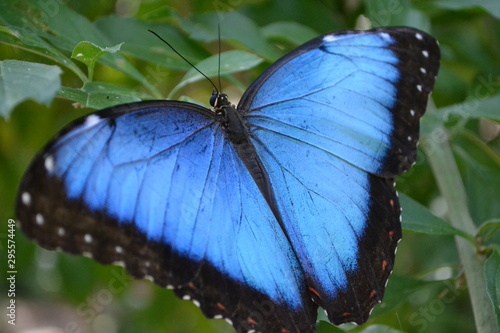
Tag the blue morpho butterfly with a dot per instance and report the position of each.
(258, 213)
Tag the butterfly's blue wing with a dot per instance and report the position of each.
(156, 187)
(333, 122)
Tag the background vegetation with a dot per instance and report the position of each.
(447, 270)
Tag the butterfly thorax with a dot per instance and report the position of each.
(230, 119)
(236, 131)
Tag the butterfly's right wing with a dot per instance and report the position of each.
(334, 121)
(156, 187)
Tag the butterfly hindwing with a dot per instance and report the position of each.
(333, 122)
(156, 188)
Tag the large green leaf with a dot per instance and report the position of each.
(233, 27)
(399, 290)
(325, 327)
(418, 218)
(389, 12)
(293, 32)
(474, 108)
(23, 37)
(480, 169)
(100, 95)
(140, 43)
(21, 80)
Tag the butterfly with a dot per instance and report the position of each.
(259, 213)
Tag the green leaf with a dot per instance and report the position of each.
(399, 290)
(488, 229)
(326, 327)
(65, 28)
(22, 37)
(480, 169)
(100, 95)
(231, 62)
(140, 43)
(389, 12)
(418, 218)
(293, 32)
(379, 329)
(492, 275)
(491, 6)
(234, 27)
(88, 53)
(474, 108)
(21, 80)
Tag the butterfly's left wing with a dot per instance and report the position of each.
(156, 187)
(334, 122)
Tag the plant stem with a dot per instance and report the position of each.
(450, 184)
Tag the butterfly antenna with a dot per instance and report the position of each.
(180, 55)
(218, 73)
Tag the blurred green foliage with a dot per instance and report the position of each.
(428, 291)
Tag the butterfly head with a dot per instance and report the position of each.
(219, 100)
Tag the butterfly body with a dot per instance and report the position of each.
(257, 213)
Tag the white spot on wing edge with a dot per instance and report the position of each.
(422, 70)
(49, 163)
(385, 36)
(26, 198)
(412, 112)
(330, 38)
(39, 219)
(419, 87)
(87, 238)
(425, 53)
(91, 120)
(61, 231)
(419, 36)
(118, 249)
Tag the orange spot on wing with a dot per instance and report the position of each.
(251, 321)
(391, 234)
(220, 306)
(373, 293)
(384, 265)
(315, 292)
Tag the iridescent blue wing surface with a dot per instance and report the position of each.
(155, 187)
(334, 122)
